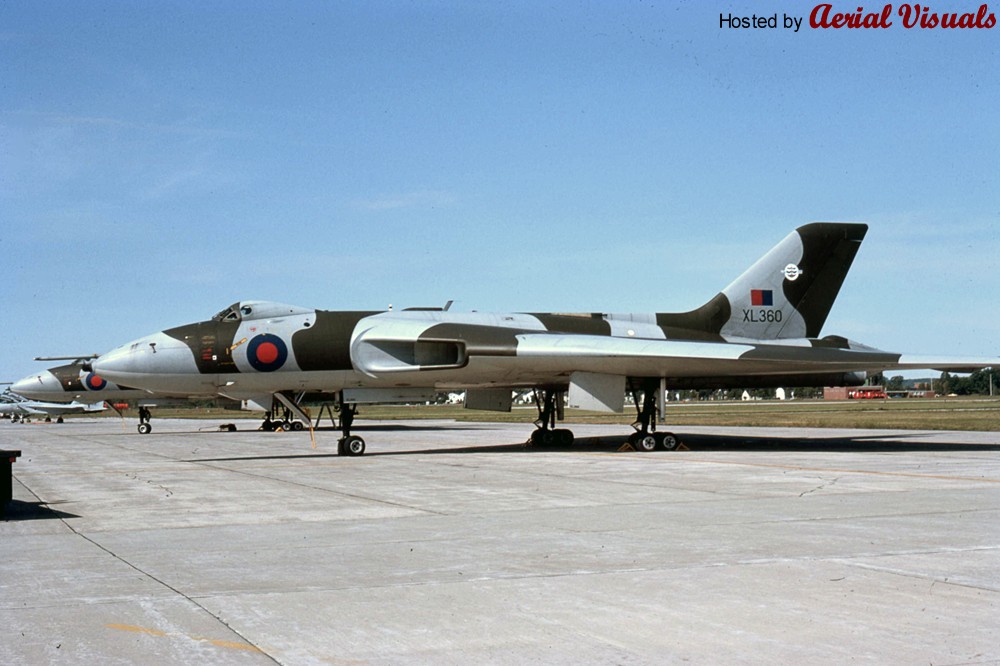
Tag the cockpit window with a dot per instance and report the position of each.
(257, 310)
(229, 314)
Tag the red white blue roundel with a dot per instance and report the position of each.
(267, 352)
(94, 382)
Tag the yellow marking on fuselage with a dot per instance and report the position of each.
(236, 344)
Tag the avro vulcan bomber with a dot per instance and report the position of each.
(763, 330)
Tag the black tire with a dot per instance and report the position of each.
(145, 428)
(564, 437)
(541, 438)
(297, 425)
(645, 442)
(286, 425)
(669, 441)
(59, 420)
(231, 427)
(355, 446)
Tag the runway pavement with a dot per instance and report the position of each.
(452, 543)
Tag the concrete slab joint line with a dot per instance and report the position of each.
(151, 577)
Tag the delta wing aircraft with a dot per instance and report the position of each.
(75, 382)
(760, 331)
(69, 382)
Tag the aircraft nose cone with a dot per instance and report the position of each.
(38, 387)
(146, 363)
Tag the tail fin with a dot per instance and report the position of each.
(788, 293)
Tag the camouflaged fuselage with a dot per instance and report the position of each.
(761, 330)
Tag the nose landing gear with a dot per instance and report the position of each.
(144, 416)
(348, 444)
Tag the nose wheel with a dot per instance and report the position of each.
(351, 446)
(144, 417)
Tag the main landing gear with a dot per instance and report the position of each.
(645, 437)
(550, 406)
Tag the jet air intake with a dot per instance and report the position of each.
(379, 356)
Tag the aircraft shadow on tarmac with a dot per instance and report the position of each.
(21, 511)
(904, 442)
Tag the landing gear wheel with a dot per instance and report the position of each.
(644, 442)
(286, 426)
(297, 425)
(564, 436)
(541, 437)
(352, 446)
(145, 428)
(668, 441)
(59, 420)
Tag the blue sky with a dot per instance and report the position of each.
(162, 160)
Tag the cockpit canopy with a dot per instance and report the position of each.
(247, 310)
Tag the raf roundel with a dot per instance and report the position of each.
(267, 352)
(94, 382)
